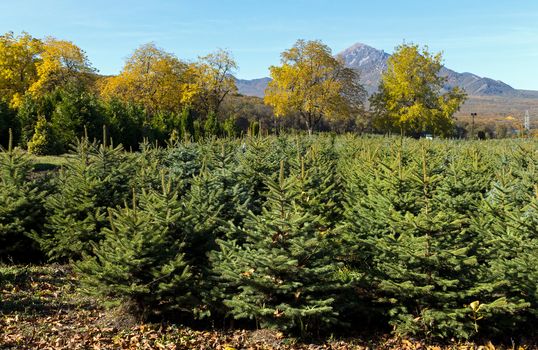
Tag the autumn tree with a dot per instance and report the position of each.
(214, 80)
(314, 85)
(61, 63)
(19, 56)
(411, 98)
(151, 77)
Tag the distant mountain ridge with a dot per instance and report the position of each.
(253, 87)
(371, 62)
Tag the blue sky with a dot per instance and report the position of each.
(496, 38)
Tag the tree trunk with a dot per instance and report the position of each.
(308, 122)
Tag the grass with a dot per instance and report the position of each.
(45, 163)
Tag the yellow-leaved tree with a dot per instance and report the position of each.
(61, 64)
(153, 78)
(214, 80)
(411, 97)
(313, 84)
(19, 56)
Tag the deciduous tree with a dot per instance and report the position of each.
(151, 77)
(314, 84)
(62, 63)
(18, 58)
(214, 80)
(411, 98)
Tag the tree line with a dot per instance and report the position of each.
(50, 94)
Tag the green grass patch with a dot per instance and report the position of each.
(44, 163)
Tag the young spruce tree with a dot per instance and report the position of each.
(21, 206)
(141, 261)
(97, 178)
(283, 273)
(508, 218)
(412, 243)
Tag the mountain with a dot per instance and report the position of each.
(254, 87)
(371, 62)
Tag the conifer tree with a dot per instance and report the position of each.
(229, 127)
(216, 198)
(198, 130)
(218, 189)
(320, 182)
(468, 175)
(187, 123)
(260, 159)
(96, 178)
(283, 271)
(204, 203)
(150, 162)
(21, 206)
(419, 256)
(43, 141)
(184, 162)
(142, 261)
(508, 223)
(212, 125)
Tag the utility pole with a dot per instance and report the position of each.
(472, 125)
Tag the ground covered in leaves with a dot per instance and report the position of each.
(41, 308)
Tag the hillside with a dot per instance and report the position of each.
(254, 87)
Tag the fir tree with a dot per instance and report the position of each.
(184, 162)
(215, 199)
(9, 125)
(283, 271)
(229, 127)
(320, 182)
(97, 178)
(260, 159)
(418, 254)
(468, 175)
(198, 130)
(508, 224)
(149, 161)
(212, 125)
(187, 124)
(43, 140)
(141, 260)
(21, 206)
